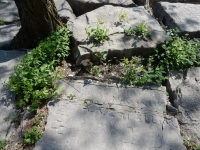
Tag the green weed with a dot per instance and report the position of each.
(34, 78)
(123, 16)
(99, 34)
(134, 73)
(71, 96)
(1, 22)
(32, 136)
(140, 30)
(179, 53)
(2, 144)
(101, 55)
(95, 71)
(15, 118)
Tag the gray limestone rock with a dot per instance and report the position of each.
(185, 17)
(8, 11)
(8, 59)
(7, 32)
(175, 78)
(103, 117)
(187, 102)
(119, 45)
(83, 6)
(64, 10)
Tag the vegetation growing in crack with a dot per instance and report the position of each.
(2, 144)
(140, 30)
(1, 22)
(71, 96)
(179, 53)
(34, 78)
(134, 73)
(101, 55)
(99, 34)
(32, 136)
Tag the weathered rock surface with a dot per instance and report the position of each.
(105, 116)
(64, 10)
(119, 45)
(151, 2)
(187, 101)
(175, 78)
(83, 6)
(7, 32)
(185, 17)
(8, 59)
(8, 11)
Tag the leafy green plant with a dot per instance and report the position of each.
(123, 16)
(32, 136)
(71, 96)
(99, 34)
(37, 120)
(34, 78)
(109, 81)
(15, 118)
(134, 73)
(179, 53)
(95, 71)
(140, 30)
(1, 22)
(2, 144)
(188, 143)
(101, 55)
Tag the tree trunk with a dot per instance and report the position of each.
(38, 19)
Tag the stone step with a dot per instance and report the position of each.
(185, 17)
(119, 45)
(103, 116)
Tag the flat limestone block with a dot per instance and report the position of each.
(8, 11)
(83, 6)
(103, 117)
(7, 33)
(8, 59)
(119, 45)
(188, 104)
(175, 78)
(185, 17)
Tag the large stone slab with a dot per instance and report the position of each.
(83, 6)
(110, 117)
(8, 11)
(119, 45)
(8, 59)
(7, 32)
(185, 17)
(186, 98)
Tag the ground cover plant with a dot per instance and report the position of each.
(140, 30)
(99, 34)
(1, 22)
(34, 78)
(2, 144)
(179, 53)
(32, 136)
(123, 16)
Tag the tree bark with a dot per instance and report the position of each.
(38, 19)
